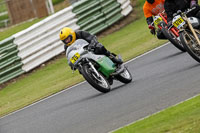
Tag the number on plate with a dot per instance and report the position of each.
(75, 58)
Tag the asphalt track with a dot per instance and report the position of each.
(162, 78)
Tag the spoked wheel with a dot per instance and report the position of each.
(125, 76)
(98, 81)
(173, 39)
(191, 44)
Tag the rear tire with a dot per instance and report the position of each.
(190, 44)
(99, 83)
(173, 39)
(124, 77)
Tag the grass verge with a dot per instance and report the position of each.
(182, 118)
(56, 1)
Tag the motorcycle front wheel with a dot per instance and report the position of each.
(100, 83)
(190, 43)
(125, 76)
(173, 39)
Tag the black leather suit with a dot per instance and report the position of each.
(172, 6)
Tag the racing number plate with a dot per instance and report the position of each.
(178, 22)
(75, 58)
(157, 20)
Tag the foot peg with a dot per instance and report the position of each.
(119, 70)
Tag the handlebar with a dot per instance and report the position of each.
(179, 12)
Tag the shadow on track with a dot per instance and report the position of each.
(182, 70)
(170, 56)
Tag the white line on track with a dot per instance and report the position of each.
(79, 83)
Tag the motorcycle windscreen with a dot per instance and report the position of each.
(106, 66)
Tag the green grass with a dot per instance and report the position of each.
(183, 118)
(56, 1)
(2, 6)
(3, 17)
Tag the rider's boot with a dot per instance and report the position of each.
(114, 58)
(118, 61)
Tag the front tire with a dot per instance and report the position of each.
(125, 76)
(99, 83)
(191, 44)
(173, 39)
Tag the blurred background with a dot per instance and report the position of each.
(17, 11)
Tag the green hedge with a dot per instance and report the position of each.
(56, 1)
(3, 17)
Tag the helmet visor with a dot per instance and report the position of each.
(68, 40)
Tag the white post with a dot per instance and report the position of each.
(51, 6)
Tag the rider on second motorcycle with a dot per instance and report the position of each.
(69, 36)
(152, 8)
(172, 6)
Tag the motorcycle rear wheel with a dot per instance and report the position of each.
(124, 77)
(190, 44)
(99, 83)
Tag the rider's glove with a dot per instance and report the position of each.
(92, 45)
(152, 29)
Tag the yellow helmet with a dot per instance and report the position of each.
(67, 35)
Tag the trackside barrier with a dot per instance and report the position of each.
(112, 11)
(90, 17)
(10, 63)
(40, 42)
(96, 15)
(126, 7)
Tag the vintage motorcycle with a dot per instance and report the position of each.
(98, 70)
(189, 32)
(171, 33)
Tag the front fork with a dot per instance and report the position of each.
(172, 29)
(93, 68)
(192, 29)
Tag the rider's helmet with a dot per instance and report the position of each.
(151, 1)
(67, 35)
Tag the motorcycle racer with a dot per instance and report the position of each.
(152, 8)
(172, 6)
(68, 36)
